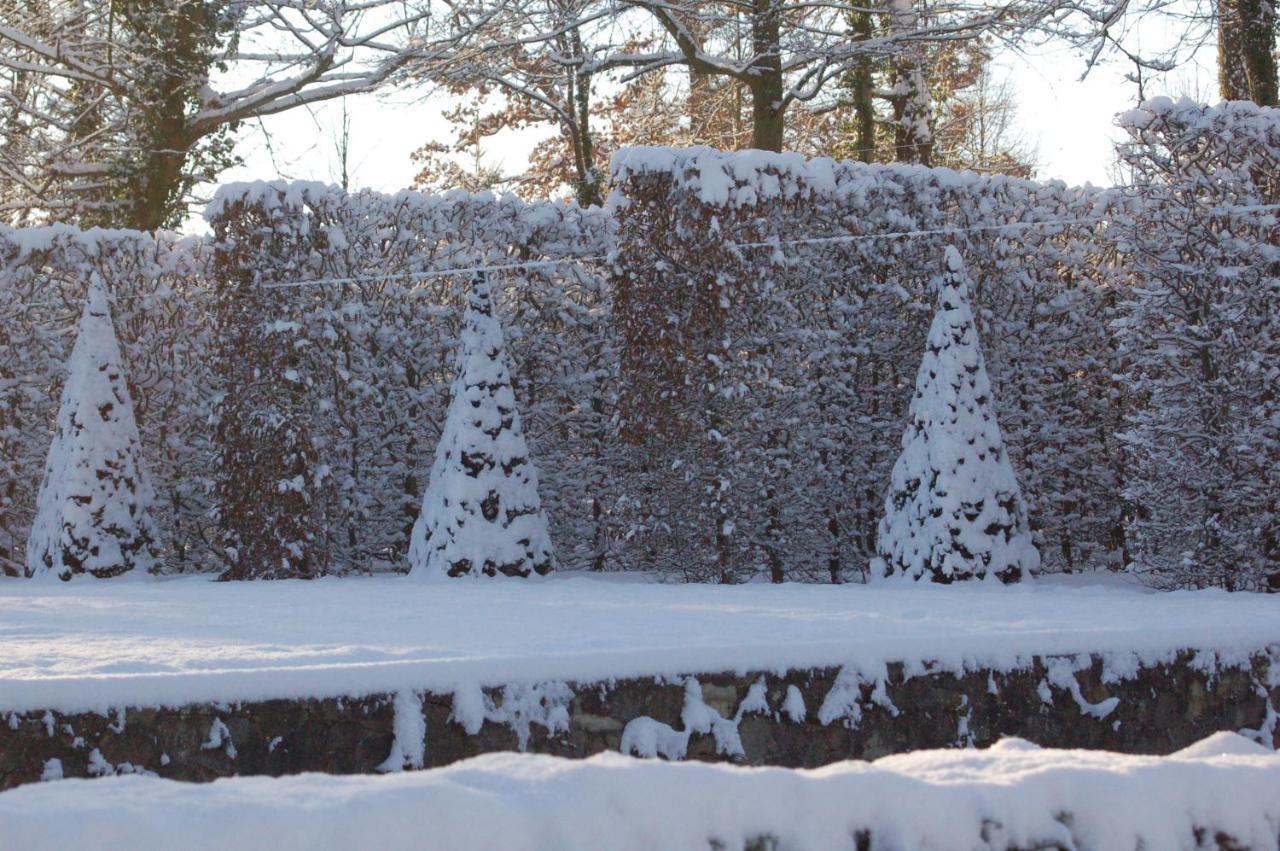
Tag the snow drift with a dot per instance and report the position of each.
(1221, 792)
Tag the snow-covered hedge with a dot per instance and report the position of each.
(377, 339)
(771, 310)
(713, 372)
(792, 300)
(1199, 338)
(383, 335)
(1222, 793)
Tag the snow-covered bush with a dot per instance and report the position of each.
(954, 510)
(93, 513)
(481, 514)
(1200, 335)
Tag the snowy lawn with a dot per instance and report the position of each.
(91, 645)
(1013, 795)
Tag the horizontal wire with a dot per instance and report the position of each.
(435, 273)
(857, 237)
(943, 231)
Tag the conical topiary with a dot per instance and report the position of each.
(92, 514)
(480, 512)
(954, 510)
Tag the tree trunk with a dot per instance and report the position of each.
(589, 189)
(862, 86)
(157, 187)
(1246, 51)
(159, 178)
(912, 107)
(1258, 38)
(765, 83)
(1233, 83)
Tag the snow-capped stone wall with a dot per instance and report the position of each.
(797, 718)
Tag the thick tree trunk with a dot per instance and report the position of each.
(767, 120)
(862, 87)
(159, 179)
(1233, 83)
(767, 109)
(1246, 51)
(157, 188)
(1258, 38)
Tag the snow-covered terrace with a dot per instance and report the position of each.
(92, 646)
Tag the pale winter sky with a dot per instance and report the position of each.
(1068, 121)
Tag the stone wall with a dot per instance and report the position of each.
(756, 718)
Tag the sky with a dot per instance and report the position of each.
(1067, 120)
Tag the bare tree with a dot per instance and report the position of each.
(797, 49)
(127, 105)
(533, 62)
(1245, 31)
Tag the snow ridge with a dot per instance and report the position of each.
(1223, 791)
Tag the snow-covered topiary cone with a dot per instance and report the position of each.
(954, 510)
(480, 512)
(93, 511)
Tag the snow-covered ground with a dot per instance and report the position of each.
(93, 645)
(1012, 795)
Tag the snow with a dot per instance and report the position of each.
(102, 645)
(1061, 673)
(1012, 795)
(522, 704)
(268, 194)
(219, 739)
(744, 178)
(793, 706)
(408, 748)
(648, 737)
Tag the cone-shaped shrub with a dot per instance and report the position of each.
(92, 514)
(954, 510)
(480, 512)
